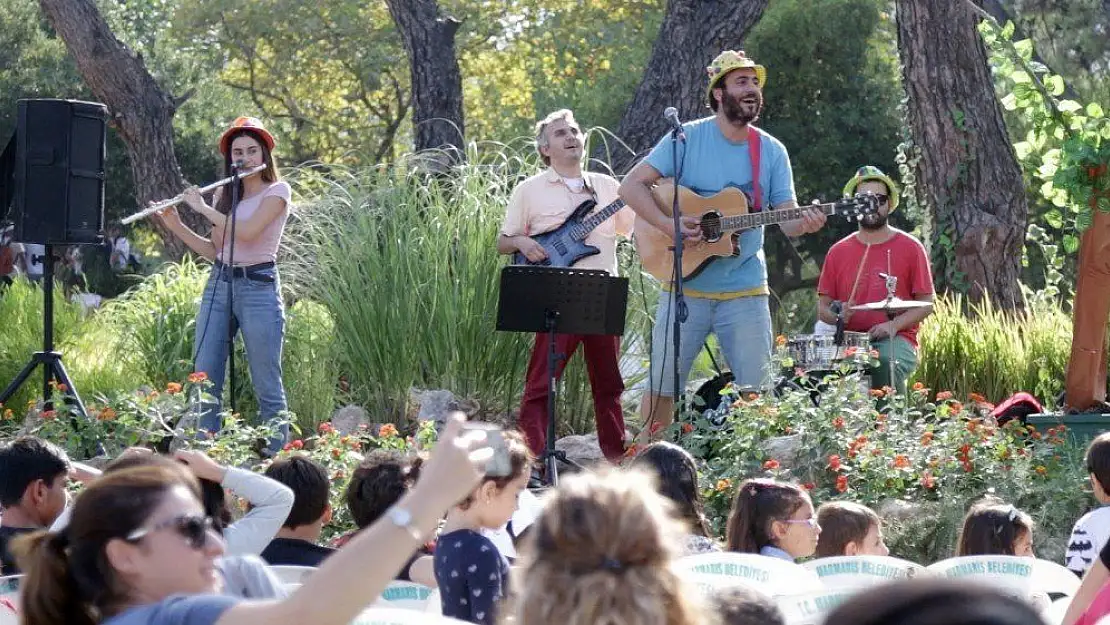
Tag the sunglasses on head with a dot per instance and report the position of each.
(193, 528)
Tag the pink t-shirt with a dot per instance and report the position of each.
(264, 247)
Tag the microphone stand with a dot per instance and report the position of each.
(678, 296)
(230, 265)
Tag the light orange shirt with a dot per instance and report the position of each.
(543, 202)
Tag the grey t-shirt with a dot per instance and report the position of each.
(178, 610)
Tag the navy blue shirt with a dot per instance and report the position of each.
(471, 574)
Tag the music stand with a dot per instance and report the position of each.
(559, 300)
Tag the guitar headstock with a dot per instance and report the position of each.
(858, 206)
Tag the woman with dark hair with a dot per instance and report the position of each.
(677, 479)
(245, 263)
(140, 550)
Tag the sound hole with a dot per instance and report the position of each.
(711, 226)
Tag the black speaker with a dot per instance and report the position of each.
(59, 172)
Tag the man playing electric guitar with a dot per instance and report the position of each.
(729, 296)
(541, 204)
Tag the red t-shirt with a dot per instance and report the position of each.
(907, 261)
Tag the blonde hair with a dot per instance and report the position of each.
(601, 553)
(541, 130)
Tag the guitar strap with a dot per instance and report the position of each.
(753, 152)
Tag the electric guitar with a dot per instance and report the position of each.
(566, 245)
(721, 214)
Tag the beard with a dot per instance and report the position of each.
(873, 221)
(736, 111)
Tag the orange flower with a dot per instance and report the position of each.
(977, 398)
(956, 407)
(62, 388)
(834, 462)
(197, 377)
(387, 431)
(632, 450)
(928, 481)
(972, 425)
(1041, 470)
(287, 447)
(335, 453)
(838, 423)
(877, 392)
(1036, 436)
(173, 388)
(49, 415)
(723, 485)
(809, 486)
(851, 351)
(8, 414)
(687, 428)
(880, 418)
(876, 452)
(780, 340)
(842, 483)
(901, 461)
(107, 414)
(926, 438)
(326, 428)
(944, 395)
(771, 465)
(297, 444)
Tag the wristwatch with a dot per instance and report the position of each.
(402, 518)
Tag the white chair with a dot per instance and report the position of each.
(859, 572)
(9, 588)
(1012, 573)
(810, 608)
(771, 575)
(289, 574)
(434, 604)
(1051, 577)
(397, 616)
(1054, 615)
(405, 595)
(710, 583)
(7, 617)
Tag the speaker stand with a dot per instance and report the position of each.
(51, 360)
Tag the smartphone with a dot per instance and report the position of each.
(500, 465)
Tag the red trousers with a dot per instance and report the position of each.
(602, 355)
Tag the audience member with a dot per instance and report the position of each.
(774, 519)
(33, 476)
(994, 528)
(296, 541)
(602, 551)
(740, 605)
(677, 480)
(849, 529)
(471, 573)
(1092, 529)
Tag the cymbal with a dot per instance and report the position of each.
(893, 304)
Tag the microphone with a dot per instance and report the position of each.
(237, 164)
(671, 115)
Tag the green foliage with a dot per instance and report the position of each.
(984, 349)
(920, 462)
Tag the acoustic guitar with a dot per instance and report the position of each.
(721, 216)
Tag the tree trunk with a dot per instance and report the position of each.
(692, 34)
(141, 112)
(968, 173)
(429, 36)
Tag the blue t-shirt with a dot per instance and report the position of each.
(177, 610)
(471, 574)
(712, 163)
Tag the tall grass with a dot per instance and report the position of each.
(979, 348)
(406, 263)
(21, 327)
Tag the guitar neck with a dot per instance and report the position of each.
(778, 216)
(587, 226)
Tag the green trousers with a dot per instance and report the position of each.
(905, 361)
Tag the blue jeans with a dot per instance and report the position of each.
(260, 315)
(743, 329)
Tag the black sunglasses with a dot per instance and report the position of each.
(879, 197)
(193, 528)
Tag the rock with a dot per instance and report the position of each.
(581, 449)
(786, 449)
(901, 510)
(435, 405)
(347, 419)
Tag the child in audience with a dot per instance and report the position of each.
(677, 480)
(774, 519)
(925, 601)
(380, 480)
(603, 552)
(296, 541)
(740, 605)
(33, 475)
(471, 573)
(1092, 529)
(849, 529)
(994, 528)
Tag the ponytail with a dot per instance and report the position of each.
(758, 503)
(49, 593)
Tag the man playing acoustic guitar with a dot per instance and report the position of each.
(728, 296)
(540, 204)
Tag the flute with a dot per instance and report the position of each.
(174, 201)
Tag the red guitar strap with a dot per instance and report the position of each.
(753, 152)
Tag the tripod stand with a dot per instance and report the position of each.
(51, 361)
(555, 300)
